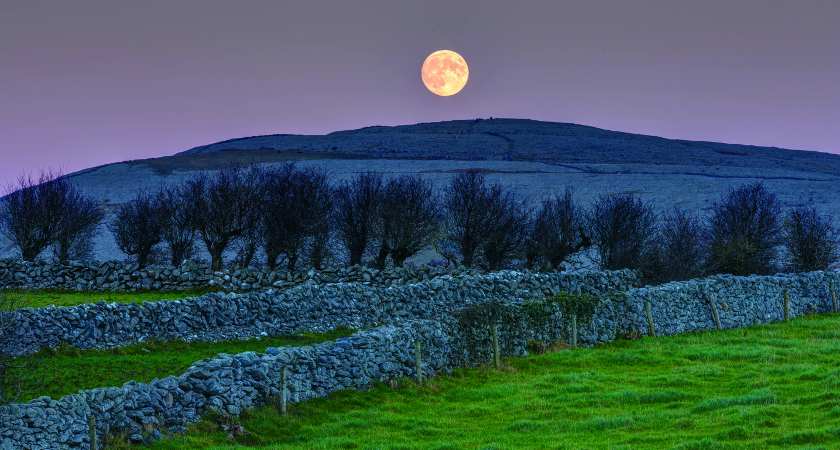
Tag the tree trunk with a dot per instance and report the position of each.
(63, 252)
(247, 255)
(29, 253)
(382, 256)
(468, 254)
(271, 259)
(291, 260)
(316, 258)
(216, 261)
(399, 256)
(356, 253)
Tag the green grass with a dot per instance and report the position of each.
(762, 387)
(67, 370)
(40, 299)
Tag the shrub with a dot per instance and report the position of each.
(623, 228)
(810, 239)
(556, 232)
(745, 230)
(680, 253)
(409, 219)
(137, 227)
(358, 204)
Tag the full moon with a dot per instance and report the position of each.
(445, 73)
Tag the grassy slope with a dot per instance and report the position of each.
(40, 299)
(767, 386)
(67, 370)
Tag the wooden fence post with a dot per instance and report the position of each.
(574, 331)
(284, 394)
(418, 361)
(833, 292)
(786, 297)
(497, 358)
(713, 307)
(94, 445)
(649, 316)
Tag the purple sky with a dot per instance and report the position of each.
(84, 83)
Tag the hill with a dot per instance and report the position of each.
(527, 140)
(534, 159)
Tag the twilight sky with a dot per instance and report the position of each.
(85, 82)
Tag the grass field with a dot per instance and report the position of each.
(68, 370)
(40, 299)
(762, 387)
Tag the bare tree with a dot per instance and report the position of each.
(622, 226)
(745, 230)
(357, 206)
(505, 227)
(464, 203)
(179, 209)
(78, 220)
(30, 213)
(228, 204)
(410, 218)
(556, 232)
(137, 227)
(320, 204)
(297, 209)
(810, 239)
(483, 223)
(681, 250)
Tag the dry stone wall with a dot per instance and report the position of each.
(121, 277)
(688, 306)
(228, 384)
(306, 308)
